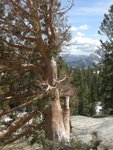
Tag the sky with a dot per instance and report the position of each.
(85, 18)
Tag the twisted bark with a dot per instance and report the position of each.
(57, 120)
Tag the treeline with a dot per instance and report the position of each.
(86, 81)
(96, 84)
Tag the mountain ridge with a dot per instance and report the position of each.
(84, 61)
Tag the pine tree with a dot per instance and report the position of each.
(86, 81)
(106, 73)
(33, 33)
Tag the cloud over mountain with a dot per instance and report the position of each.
(82, 45)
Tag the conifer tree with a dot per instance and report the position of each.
(86, 80)
(106, 72)
(33, 33)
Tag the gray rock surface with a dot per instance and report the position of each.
(82, 127)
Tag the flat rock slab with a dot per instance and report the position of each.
(82, 127)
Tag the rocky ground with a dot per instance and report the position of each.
(84, 126)
(81, 130)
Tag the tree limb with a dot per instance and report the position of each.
(19, 123)
(16, 108)
(30, 130)
(17, 66)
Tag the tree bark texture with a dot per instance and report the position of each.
(57, 120)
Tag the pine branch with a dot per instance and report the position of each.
(19, 97)
(20, 47)
(21, 37)
(16, 108)
(30, 130)
(17, 66)
(19, 123)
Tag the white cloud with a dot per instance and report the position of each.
(79, 34)
(73, 28)
(81, 39)
(82, 45)
(82, 27)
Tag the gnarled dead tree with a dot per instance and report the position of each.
(32, 34)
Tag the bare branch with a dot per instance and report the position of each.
(61, 79)
(67, 9)
(49, 87)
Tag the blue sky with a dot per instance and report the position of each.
(85, 17)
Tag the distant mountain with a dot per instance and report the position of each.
(83, 61)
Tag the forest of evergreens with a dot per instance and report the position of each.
(96, 84)
(30, 79)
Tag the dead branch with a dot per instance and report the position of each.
(61, 80)
(67, 9)
(49, 87)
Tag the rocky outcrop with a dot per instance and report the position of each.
(83, 127)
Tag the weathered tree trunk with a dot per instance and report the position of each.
(57, 120)
(66, 116)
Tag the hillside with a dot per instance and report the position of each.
(83, 61)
